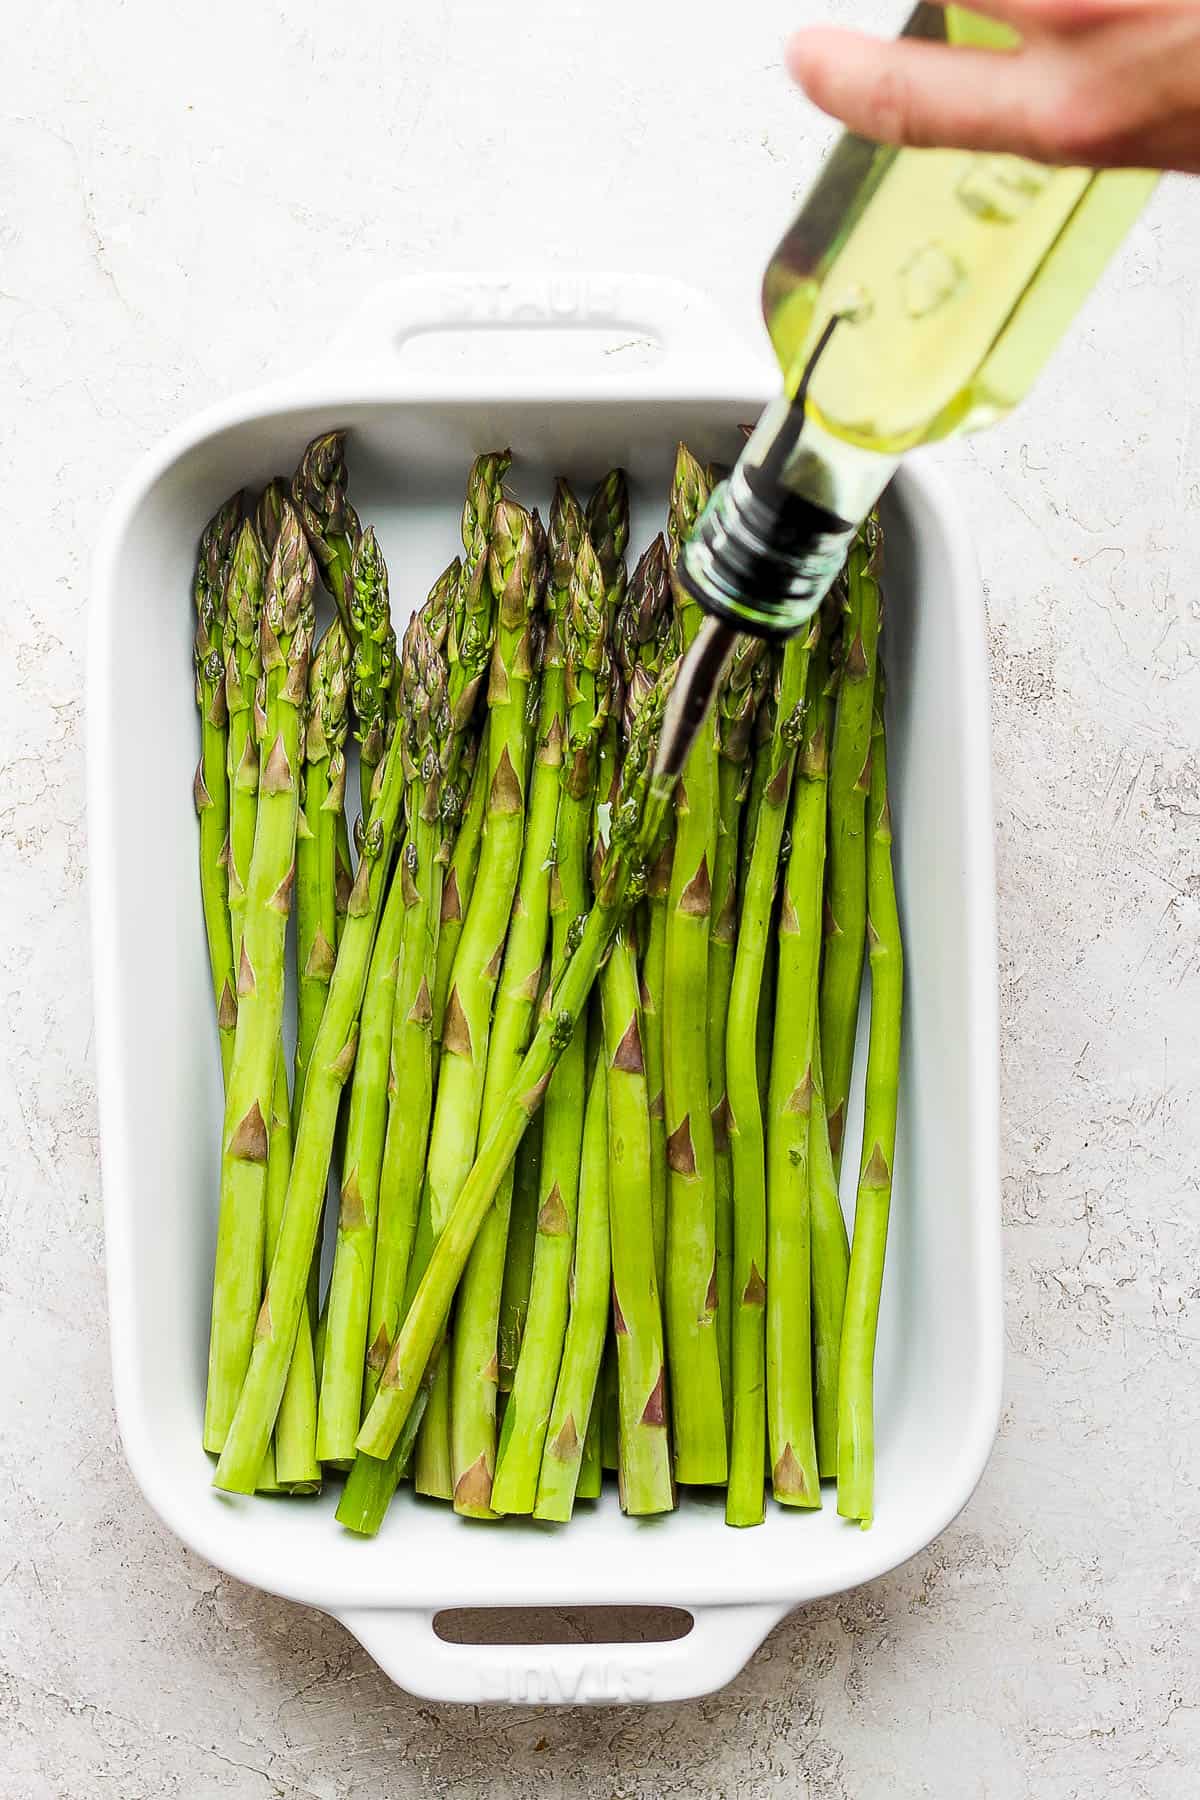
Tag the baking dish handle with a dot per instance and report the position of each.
(409, 1651)
(686, 325)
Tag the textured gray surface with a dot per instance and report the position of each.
(188, 197)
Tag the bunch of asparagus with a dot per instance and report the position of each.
(575, 1049)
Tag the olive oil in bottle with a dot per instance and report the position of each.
(917, 295)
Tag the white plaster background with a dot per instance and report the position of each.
(189, 197)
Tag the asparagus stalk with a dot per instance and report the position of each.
(295, 1448)
(374, 657)
(290, 1464)
(644, 1452)
(790, 1426)
(849, 774)
(474, 1360)
(470, 645)
(459, 880)
(607, 527)
(285, 640)
(243, 625)
(830, 1266)
(268, 514)
(782, 714)
(691, 1281)
(432, 1469)
(607, 524)
(329, 520)
(856, 1424)
(760, 774)
(588, 681)
(210, 790)
(633, 842)
(591, 1474)
(610, 1423)
(348, 1300)
(644, 639)
(583, 1347)
(270, 511)
(427, 740)
(469, 650)
(737, 710)
(512, 572)
(332, 1059)
(518, 1259)
(322, 806)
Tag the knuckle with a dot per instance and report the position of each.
(1081, 127)
(889, 107)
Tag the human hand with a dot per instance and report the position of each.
(1101, 83)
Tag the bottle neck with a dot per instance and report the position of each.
(775, 535)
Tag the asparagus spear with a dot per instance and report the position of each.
(583, 1347)
(588, 680)
(210, 789)
(243, 625)
(474, 1364)
(644, 1451)
(790, 1427)
(856, 1424)
(322, 805)
(513, 576)
(782, 713)
(290, 1463)
(285, 640)
(470, 645)
(760, 773)
(591, 1474)
(644, 639)
(374, 657)
(830, 1266)
(329, 520)
(332, 1060)
(849, 774)
(295, 1444)
(459, 880)
(633, 841)
(607, 524)
(691, 1280)
(737, 709)
(270, 510)
(518, 1258)
(268, 514)
(469, 650)
(428, 742)
(423, 722)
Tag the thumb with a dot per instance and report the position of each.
(923, 94)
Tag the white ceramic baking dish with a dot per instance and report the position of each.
(577, 374)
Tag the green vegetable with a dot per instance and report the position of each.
(285, 644)
(849, 774)
(856, 1397)
(691, 1276)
